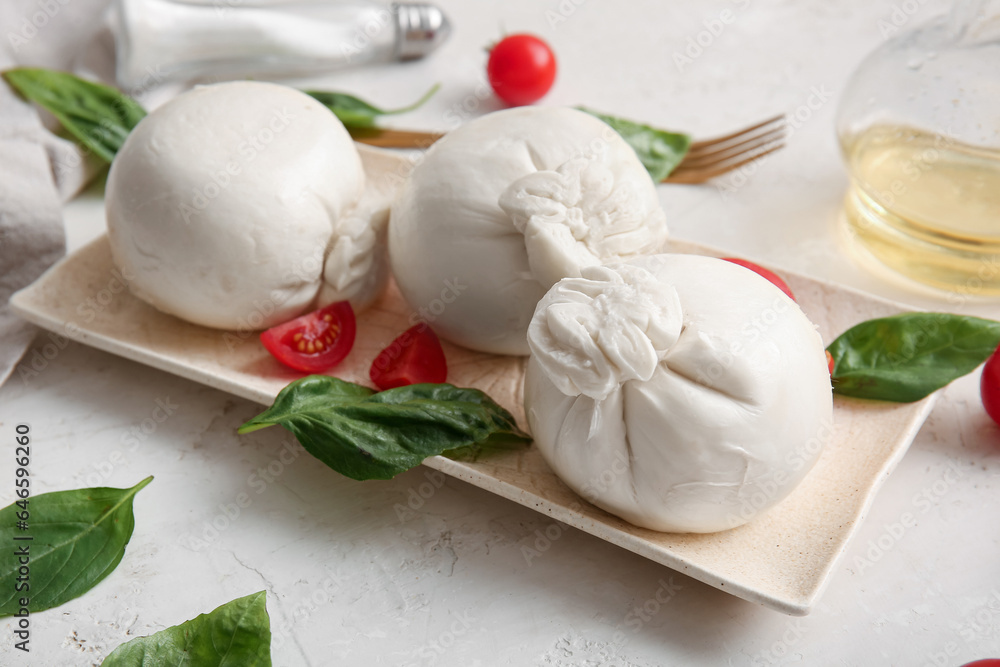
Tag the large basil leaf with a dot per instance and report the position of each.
(658, 150)
(237, 634)
(99, 116)
(907, 357)
(367, 435)
(355, 112)
(77, 539)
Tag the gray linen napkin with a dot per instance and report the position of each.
(38, 170)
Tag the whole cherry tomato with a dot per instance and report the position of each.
(521, 69)
(760, 270)
(989, 386)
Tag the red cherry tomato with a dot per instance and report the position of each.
(521, 69)
(313, 342)
(989, 386)
(988, 662)
(829, 361)
(760, 270)
(414, 357)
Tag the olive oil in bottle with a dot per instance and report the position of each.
(927, 206)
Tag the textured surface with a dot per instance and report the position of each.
(378, 574)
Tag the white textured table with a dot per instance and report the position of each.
(352, 579)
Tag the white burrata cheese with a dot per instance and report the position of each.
(503, 207)
(223, 203)
(680, 393)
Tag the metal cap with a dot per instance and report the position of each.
(420, 28)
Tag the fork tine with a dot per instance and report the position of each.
(706, 143)
(700, 175)
(728, 151)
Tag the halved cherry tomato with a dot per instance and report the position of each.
(760, 270)
(989, 386)
(414, 357)
(313, 342)
(521, 69)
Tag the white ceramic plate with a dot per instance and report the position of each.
(781, 559)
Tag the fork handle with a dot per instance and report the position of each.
(374, 136)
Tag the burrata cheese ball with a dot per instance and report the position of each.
(506, 205)
(681, 393)
(223, 203)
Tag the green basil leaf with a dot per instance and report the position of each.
(237, 634)
(907, 357)
(658, 150)
(77, 539)
(367, 435)
(99, 116)
(355, 112)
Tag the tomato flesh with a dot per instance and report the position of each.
(414, 357)
(989, 386)
(761, 271)
(521, 69)
(313, 342)
(829, 361)
(988, 662)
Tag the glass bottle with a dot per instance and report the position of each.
(164, 40)
(919, 128)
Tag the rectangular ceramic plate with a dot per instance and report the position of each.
(781, 559)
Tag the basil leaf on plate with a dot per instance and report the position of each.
(906, 357)
(98, 116)
(355, 112)
(364, 434)
(77, 539)
(237, 634)
(658, 150)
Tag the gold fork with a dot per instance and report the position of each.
(704, 160)
(709, 158)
